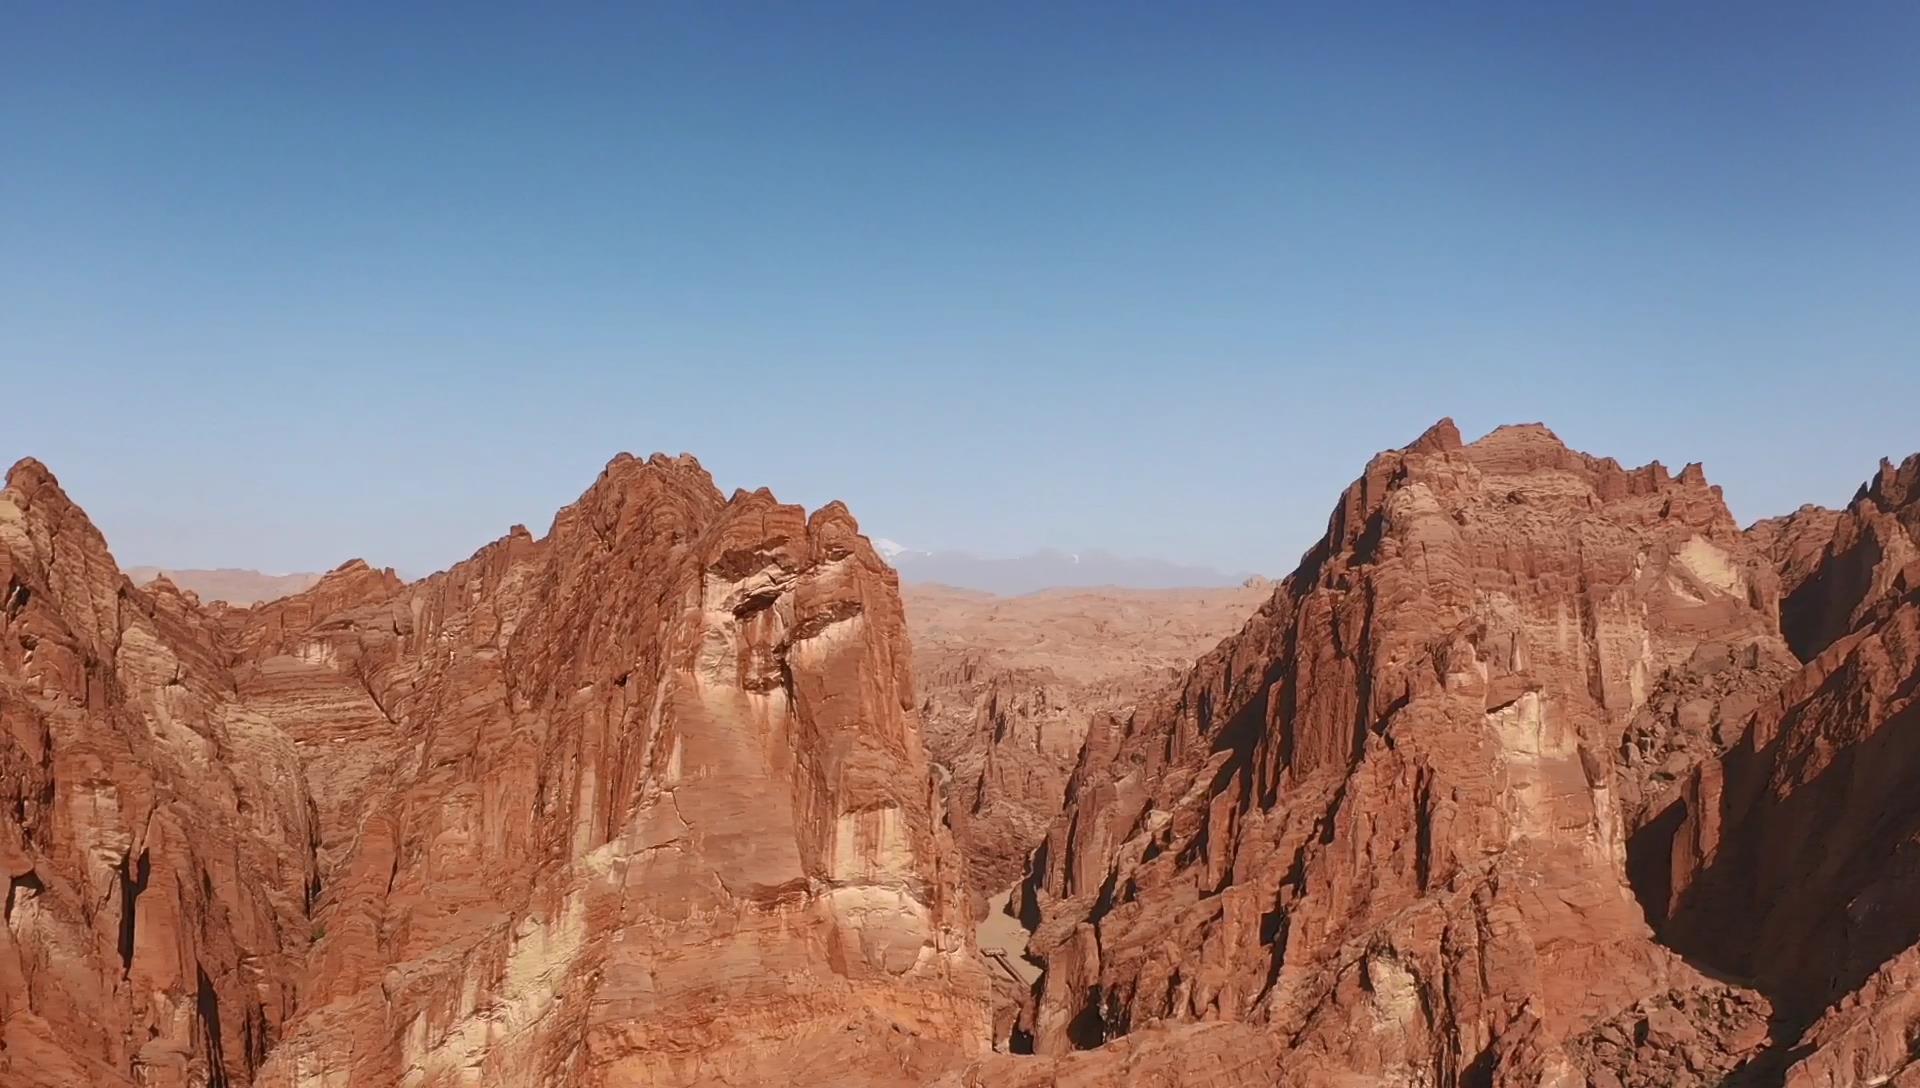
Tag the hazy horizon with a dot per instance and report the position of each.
(938, 565)
(287, 287)
(1002, 574)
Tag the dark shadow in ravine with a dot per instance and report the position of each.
(1812, 891)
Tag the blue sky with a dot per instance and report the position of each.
(279, 287)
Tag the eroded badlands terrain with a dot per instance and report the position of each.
(1539, 770)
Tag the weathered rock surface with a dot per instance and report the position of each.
(640, 802)
(1794, 861)
(153, 834)
(1867, 1038)
(1387, 821)
(1008, 686)
(1835, 565)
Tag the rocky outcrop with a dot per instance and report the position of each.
(665, 816)
(1866, 1038)
(1794, 861)
(1008, 686)
(153, 835)
(1835, 565)
(642, 801)
(1790, 858)
(1388, 820)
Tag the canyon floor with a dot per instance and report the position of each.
(1538, 771)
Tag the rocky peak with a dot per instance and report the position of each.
(1893, 489)
(1425, 731)
(607, 785)
(1439, 438)
(28, 475)
(1836, 565)
(1791, 860)
(52, 548)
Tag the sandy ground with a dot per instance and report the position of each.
(1003, 931)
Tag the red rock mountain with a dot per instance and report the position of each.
(641, 802)
(1795, 861)
(1387, 823)
(1537, 772)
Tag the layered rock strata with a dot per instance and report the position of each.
(1794, 862)
(641, 801)
(1388, 821)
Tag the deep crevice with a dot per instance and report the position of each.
(207, 1004)
(1650, 862)
(133, 881)
(18, 594)
(1479, 1072)
(1088, 1028)
(29, 882)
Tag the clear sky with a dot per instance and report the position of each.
(280, 286)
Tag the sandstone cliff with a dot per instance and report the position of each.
(1835, 564)
(1387, 821)
(153, 833)
(1795, 860)
(642, 801)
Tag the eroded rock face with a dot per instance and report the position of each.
(1794, 861)
(153, 835)
(1008, 686)
(1866, 1038)
(641, 802)
(1835, 565)
(1388, 820)
(666, 810)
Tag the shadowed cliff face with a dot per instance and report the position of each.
(643, 801)
(1795, 860)
(1834, 565)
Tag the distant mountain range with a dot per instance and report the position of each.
(229, 584)
(1008, 575)
(1049, 569)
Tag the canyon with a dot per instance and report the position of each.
(1008, 687)
(1538, 771)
